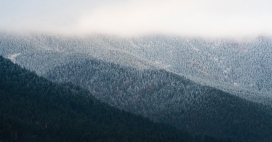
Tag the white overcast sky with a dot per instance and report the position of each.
(136, 17)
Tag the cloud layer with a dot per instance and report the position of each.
(131, 17)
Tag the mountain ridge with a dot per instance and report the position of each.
(241, 67)
(179, 79)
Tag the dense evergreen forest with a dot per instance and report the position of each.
(34, 109)
(169, 98)
(219, 88)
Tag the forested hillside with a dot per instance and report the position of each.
(34, 109)
(174, 80)
(169, 98)
(239, 66)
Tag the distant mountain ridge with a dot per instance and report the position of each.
(173, 80)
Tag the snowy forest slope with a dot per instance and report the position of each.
(150, 76)
(169, 98)
(241, 67)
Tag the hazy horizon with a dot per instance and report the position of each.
(206, 18)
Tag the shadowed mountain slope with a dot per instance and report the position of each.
(35, 109)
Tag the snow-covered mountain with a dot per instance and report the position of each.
(219, 87)
(241, 67)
